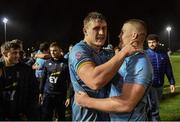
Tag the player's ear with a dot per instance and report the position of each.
(84, 31)
(134, 36)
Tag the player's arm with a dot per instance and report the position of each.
(43, 55)
(96, 77)
(131, 95)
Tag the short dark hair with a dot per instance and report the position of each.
(153, 37)
(44, 46)
(55, 44)
(8, 45)
(93, 16)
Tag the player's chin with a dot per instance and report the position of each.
(100, 42)
(152, 47)
(53, 56)
(16, 61)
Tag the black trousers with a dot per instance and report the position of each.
(51, 104)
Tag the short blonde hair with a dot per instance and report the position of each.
(138, 22)
(93, 16)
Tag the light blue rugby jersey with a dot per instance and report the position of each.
(41, 62)
(79, 54)
(135, 69)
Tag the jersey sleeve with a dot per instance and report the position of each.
(79, 56)
(139, 70)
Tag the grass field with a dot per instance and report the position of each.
(170, 103)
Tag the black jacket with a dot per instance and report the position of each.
(18, 91)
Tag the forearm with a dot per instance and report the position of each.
(41, 55)
(42, 85)
(169, 72)
(68, 91)
(170, 76)
(102, 74)
(112, 104)
(131, 96)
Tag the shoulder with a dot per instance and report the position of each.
(80, 51)
(162, 52)
(146, 51)
(48, 62)
(139, 60)
(138, 56)
(23, 67)
(139, 69)
(149, 51)
(81, 46)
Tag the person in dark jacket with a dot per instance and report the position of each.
(18, 88)
(161, 66)
(54, 86)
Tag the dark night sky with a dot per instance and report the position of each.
(45, 20)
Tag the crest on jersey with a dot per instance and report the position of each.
(78, 55)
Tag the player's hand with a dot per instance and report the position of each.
(67, 102)
(131, 48)
(41, 99)
(80, 98)
(172, 88)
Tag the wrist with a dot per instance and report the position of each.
(88, 102)
(124, 51)
(122, 54)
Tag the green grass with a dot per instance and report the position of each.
(170, 103)
(176, 53)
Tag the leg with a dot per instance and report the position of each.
(60, 108)
(47, 108)
(154, 97)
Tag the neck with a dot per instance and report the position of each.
(8, 63)
(97, 48)
(56, 58)
(140, 45)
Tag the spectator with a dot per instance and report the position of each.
(161, 66)
(18, 86)
(54, 85)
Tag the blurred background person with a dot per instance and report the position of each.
(53, 91)
(161, 66)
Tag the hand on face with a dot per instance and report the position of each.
(131, 48)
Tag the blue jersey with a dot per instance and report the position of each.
(40, 62)
(56, 77)
(161, 66)
(136, 69)
(82, 53)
